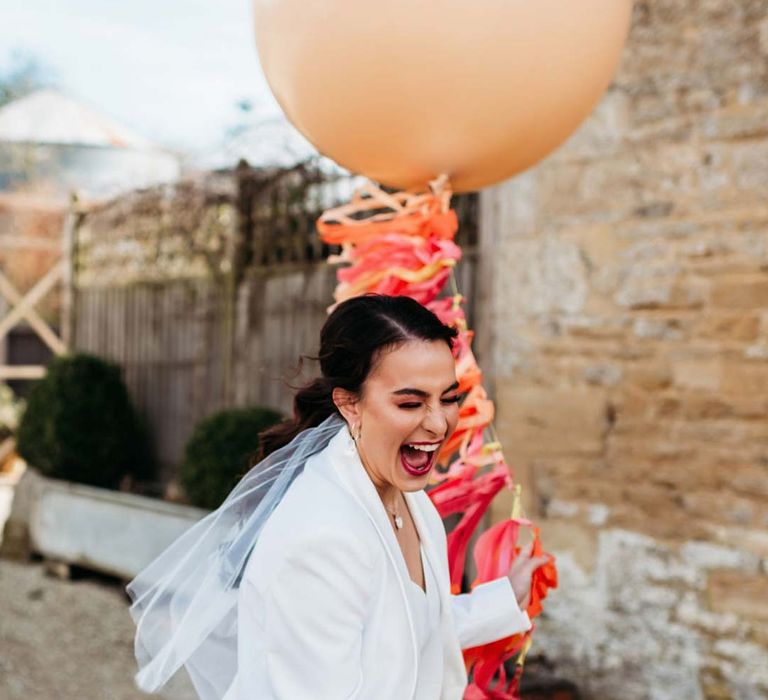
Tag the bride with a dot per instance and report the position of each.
(324, 575)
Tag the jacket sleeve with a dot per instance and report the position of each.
(306, 618)
(488, 613)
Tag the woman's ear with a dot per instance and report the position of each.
(347, 403)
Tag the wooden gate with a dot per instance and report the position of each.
(17, 306)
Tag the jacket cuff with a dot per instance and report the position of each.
(501, 598)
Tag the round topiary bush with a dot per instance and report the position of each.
(219, 450)
(80, 425)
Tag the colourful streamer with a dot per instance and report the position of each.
(402, 243)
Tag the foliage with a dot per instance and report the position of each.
(218, 451)
(11, 409)
(80, 425)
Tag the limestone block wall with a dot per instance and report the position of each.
(626, 347)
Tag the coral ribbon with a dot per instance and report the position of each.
(402, 243)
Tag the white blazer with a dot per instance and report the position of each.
(323, 610)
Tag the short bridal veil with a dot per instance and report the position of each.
(184, 603)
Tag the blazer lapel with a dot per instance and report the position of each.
(437, 562)
(454, 672)
(350, 471)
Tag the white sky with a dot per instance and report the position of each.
(171, 70)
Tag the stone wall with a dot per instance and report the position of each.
(628, 358)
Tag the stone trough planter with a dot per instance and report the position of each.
(107, 531)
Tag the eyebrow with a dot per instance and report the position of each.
(423, 394)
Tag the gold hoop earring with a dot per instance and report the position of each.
(356, 432)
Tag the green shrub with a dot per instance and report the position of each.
(80, 425)
(219, 450)
(11, 409)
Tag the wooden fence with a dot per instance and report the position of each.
(207, 292)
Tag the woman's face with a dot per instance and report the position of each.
(409, 397)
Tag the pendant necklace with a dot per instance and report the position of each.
(398, 519)
(355, 433)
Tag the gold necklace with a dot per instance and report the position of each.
(398, 519)
(355, 432)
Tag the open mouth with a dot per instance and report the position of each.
(417, 461)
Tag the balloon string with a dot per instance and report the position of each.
(441, 189)
(517, 506)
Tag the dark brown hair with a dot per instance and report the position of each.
(352, 339)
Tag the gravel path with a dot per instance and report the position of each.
(68, 640)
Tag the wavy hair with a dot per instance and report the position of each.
(352, 339)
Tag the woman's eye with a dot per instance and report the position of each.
(453, 399)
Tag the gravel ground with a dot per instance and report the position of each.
(68, 640)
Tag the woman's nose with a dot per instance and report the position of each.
(436, 422)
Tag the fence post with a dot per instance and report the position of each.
(69, 256)
(238, 252)
(3, 338)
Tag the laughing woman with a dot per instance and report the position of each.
(324, 574)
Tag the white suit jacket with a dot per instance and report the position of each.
(323, 612)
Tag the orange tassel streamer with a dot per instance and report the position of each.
(402, 243)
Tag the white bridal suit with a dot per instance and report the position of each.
(327, 609)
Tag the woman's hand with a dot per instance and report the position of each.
(520, 574)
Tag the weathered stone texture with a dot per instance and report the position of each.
(630, 362)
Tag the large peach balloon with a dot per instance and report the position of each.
(405, 90)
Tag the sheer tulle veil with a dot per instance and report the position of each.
(184, 603)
